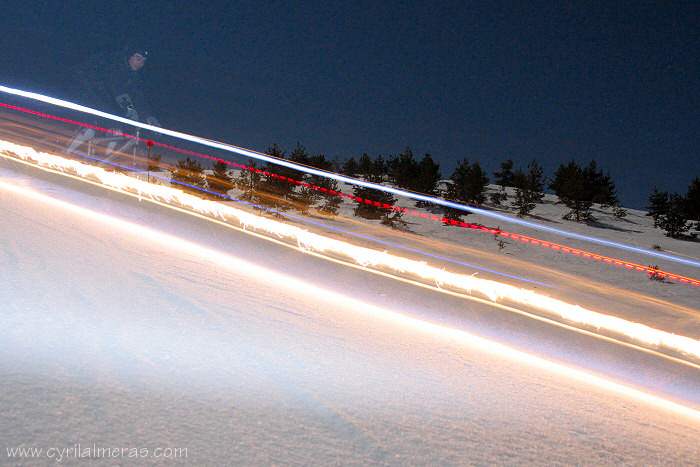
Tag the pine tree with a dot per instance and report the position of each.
(372, 200)
(529, 188)
(658, 205)
(468, 186)
(379, 170)
(275, 188)
(375, 203)
(304, 196)
(403, 170)
(619, 212)
(299, 154)
(674, 222)
(523, 201)
(499, 196)
(249, 181)
(428, 177)
(418, 176)
(220, 181)
(602, 187)
(331, 202)
(364, 166)
(503, 179)
(572, 187)
(473, 191)
(189, 176)
(535, 180)
(692, 202)
(350, 167)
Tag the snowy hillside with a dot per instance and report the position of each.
(129, 326)
(523, 256)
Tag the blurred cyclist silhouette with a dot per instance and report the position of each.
(110, 81)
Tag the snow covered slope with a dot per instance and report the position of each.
(124, 325)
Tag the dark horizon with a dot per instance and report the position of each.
(618, 84)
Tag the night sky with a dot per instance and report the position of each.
(484, 80)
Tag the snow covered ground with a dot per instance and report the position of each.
(128, 326)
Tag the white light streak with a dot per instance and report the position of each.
(357, 306)
(308, 241)
(342, 178)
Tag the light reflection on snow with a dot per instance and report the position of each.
(365, 257)
(164, 338)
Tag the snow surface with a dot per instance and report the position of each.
(171, 331)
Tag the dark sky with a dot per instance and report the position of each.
(614, 81)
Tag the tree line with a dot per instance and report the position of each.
(280, 189)
(674, 212)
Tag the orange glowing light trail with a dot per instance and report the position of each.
(308, 241)
(387, 315)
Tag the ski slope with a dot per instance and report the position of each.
(126, 325)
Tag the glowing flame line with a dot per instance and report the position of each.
(526, 239)
(342, 178)
(308, 241)
(312, 222)
(388, 315)
(480, 228)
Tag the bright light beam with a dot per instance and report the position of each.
(311, 242)
(312, 222)
(356, 306)
(342, 178)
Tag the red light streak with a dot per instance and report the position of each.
(513, 236)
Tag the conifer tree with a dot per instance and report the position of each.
(503, 179)
(188, 175)
(535, 180)
(428, 178)
(365, 166)
(276, 191)
(374, 204)
(671, 211)
(692, 202)
(658, 205)
(331, 202)
(579, 188)
(304, 196)
(572, 187)
(249, 182)
(602, 187)
(523, 201)
(419, 176)
(403, 170)
(350, 167)
(220, 181)
(674, 222)
(529, 188)
(468, 185)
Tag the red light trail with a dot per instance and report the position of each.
(662, 274)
